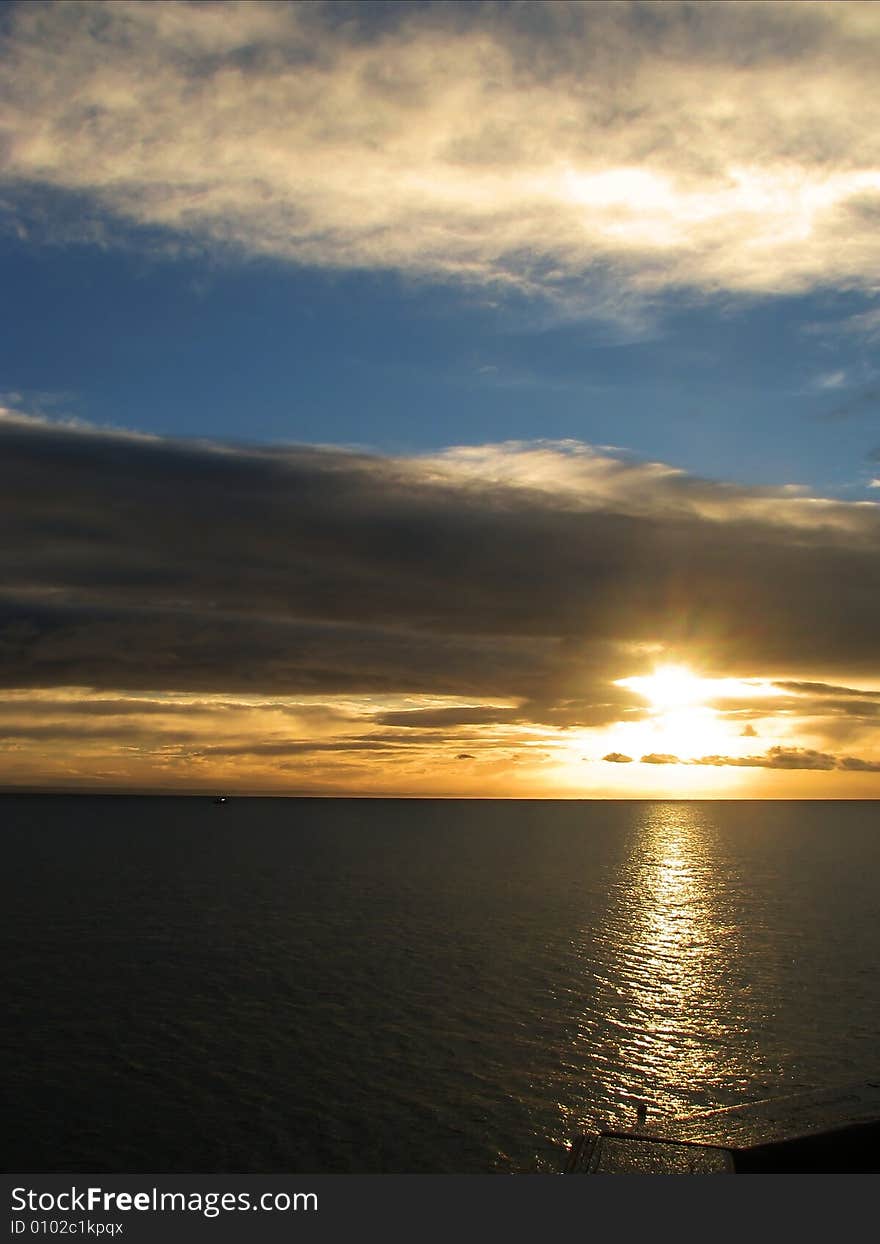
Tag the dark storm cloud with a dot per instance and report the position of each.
(505, 572)
(204, 650)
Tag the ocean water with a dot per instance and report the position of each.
(419, 986)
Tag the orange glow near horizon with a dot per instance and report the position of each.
(692, 737)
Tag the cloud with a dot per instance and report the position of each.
(831, 380)
(749, 731)
(861, 766)
(529, 575)
(860, 403)
(824, 690)
(796, 758)
(464, 715)
(201, 607)
(787, 758)
(299, 747)
(722, 147)
(864, 325)
(824, 700)
(79, 732)
(91, 707)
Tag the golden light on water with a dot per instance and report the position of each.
(672, 954)
(665, 970)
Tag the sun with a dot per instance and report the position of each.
(669, 743)
(680, 721)
(685, 722)
(670, 687)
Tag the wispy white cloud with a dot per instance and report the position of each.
(724, 146)
(865, 325)
(830, 381)
(862, 328)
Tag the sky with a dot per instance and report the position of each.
(441, 399)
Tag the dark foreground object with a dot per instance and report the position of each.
(834, 1131)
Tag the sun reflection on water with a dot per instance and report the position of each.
(662, 1020)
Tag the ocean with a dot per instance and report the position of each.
(419, 986)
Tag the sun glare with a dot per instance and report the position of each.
(681, 722)
(670, 687)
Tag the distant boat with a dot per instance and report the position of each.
(220, 799)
